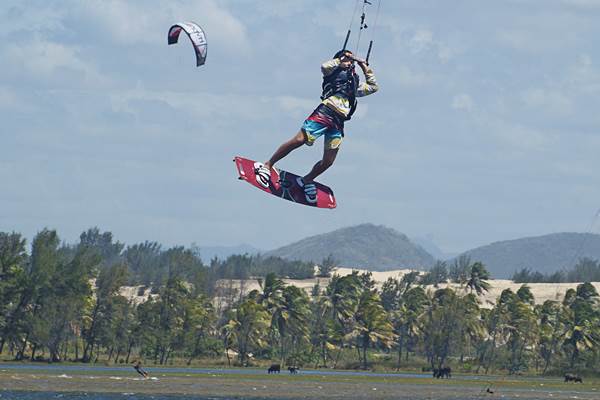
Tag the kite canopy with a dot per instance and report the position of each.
(196, 35)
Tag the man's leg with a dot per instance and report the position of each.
(322, 165)
(285, 149)
(263, 171)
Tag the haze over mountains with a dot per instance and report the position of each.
(379, 248)
(547, 253)
(222, 252)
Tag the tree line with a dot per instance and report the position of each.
(586, 270)
(63, 302)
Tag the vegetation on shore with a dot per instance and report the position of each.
(50, 311)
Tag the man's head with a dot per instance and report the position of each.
(346, 58)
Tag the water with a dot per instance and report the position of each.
(12, 395)
(223, 371)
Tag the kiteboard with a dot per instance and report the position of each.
(284, 184)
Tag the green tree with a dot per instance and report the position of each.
(460, 269)
(581, 319)
(246, 328)
(13, 259)
(340, 302)
(327, 267)
(98, 318)
(293, 323)
(198, 326)
(436, 275)
(521, 330)
(550, 331)
(478, 277)
(441, 325)
(23, 324)
(372, 324)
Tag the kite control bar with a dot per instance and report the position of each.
(363, 25)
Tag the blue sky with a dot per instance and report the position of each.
(486, 126)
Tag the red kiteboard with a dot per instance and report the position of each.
(284, 185)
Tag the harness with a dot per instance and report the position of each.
(342, 82)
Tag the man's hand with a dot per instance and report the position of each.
(361, 63)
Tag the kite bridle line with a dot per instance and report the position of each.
(350, 25)
(373, 35)
(363, 26)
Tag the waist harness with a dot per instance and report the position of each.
(342, 82)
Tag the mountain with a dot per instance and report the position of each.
(222, 252)
(427, 243)
(548, 253)
(367, 246)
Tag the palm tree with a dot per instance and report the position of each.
(550, 329)
(407, 318)
(524, 293)
(246, 328)
(270, 296)
(372, 324)
(581, 318)
(441, 324)
(321, 335)
(522, 332)
(340, 304)
(291, 318)
(471, 328)
(459, 271)
(478, 279)
(496, 322)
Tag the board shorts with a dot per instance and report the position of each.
(324, 122)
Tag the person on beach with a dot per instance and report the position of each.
(138, 367)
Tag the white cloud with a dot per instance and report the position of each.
(147, 22)
(583, 76)
(421, 41)
(520, 139)
(41, 59)
(407, 77)
(551, 101)
(462, 102)
(280, 8)
(446, 53)
(7, 98)
(18, 17)
(295, 105)
(586, 4)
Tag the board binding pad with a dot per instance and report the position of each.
(283, 184)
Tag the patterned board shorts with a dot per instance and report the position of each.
(314, 130)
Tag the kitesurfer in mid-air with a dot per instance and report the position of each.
(341, 87)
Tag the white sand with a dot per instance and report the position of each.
(541, 291)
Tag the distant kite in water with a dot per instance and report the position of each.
(196, 35)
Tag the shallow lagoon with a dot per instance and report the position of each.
(38, 381)
(14, 395)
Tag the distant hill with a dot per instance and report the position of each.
(367, 246)
(427, 243)
(222, 252)
(548, 253)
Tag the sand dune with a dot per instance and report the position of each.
(541, 291)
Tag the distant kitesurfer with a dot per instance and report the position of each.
(138, 367)
(341, 87)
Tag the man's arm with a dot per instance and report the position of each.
(370, 86)
(328, 66)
